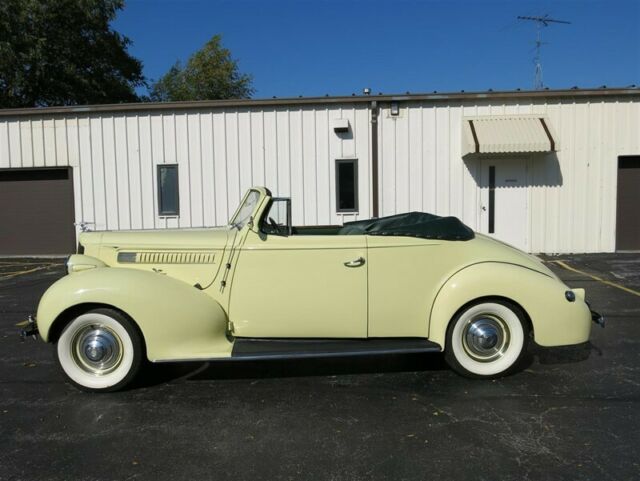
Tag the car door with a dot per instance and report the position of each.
(405, 274)
(300, 286)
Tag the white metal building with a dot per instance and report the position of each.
(548, 171)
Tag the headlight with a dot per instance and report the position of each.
(80, 262)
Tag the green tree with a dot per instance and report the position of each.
(210, 73)
(64, 52)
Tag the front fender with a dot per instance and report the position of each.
(177, 320)
(555, 320)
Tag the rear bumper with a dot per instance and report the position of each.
(597, 317)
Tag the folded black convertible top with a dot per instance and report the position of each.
(411, 224)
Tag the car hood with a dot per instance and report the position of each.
(174, 239)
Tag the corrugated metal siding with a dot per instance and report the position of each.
(220, 153)
(292, 150)
(572, 210)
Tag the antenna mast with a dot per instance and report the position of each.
(540, 22)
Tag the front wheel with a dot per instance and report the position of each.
(486, 340)
(100, 351)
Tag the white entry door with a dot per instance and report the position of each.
(504, 201)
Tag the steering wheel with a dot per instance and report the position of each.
(274, 225)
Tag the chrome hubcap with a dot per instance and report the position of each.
(97, 349)
(485, 337)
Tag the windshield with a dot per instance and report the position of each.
(246, 209)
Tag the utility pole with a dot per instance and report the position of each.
(540, 22)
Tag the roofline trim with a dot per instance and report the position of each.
(239, 103)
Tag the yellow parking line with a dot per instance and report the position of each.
(8, 275)
(20, 264)
(596, 278)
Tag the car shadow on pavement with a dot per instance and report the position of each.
(567, 354)
(161, 373)
(264, 369)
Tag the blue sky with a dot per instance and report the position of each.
(337, 47)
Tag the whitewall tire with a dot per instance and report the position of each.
(100, 350)
(487, 339)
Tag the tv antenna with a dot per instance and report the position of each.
(540, 22)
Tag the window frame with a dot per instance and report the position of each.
(356, 192)
(172, 213)
(265, 214)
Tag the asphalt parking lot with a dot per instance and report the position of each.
(401, 417)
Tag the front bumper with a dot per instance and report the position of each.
(29, 328)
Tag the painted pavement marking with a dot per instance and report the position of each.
(596, 278)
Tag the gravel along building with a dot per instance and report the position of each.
(552, 171)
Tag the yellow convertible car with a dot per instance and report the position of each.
(261, 288)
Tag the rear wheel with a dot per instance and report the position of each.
(487, 339)
(100, 350)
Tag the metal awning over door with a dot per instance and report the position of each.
(506, 134)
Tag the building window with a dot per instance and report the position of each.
(168, 195)
(346, 185)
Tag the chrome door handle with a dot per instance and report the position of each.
(355, 262)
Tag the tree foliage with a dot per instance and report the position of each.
(210, 73)
(64, 52)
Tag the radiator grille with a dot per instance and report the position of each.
(166, 257)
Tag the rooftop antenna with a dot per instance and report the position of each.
(540, 22)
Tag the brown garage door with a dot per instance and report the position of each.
(628, 216)
(36, 211)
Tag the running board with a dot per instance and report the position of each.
(256, 348)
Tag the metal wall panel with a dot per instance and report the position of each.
(220, 153)
(572, 193)
(292, 150)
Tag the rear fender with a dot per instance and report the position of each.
(177, 320)
(555, 321)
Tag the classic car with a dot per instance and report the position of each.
(261, 288)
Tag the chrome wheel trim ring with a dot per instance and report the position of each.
(510, 353)
(485, 337)
(97, 349)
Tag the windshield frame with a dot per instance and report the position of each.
(240, 223)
